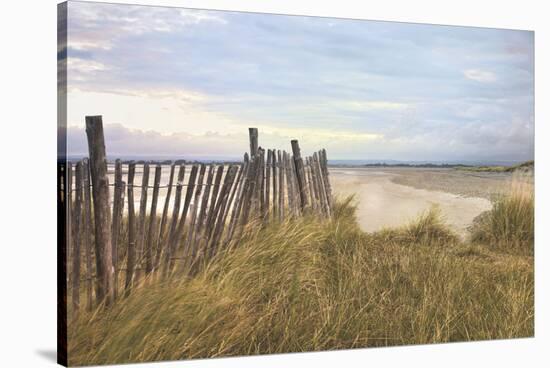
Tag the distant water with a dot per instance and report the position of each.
(210, 159)
(399, 162)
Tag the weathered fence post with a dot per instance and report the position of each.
(299, 164)
(162, 229)
(142, 222)
(87, 232)
(253, 136)
(102, 214)
(281, 193)
(169, 251)
(116, 219)
(131, 251)
(151, 235)
(77, 237)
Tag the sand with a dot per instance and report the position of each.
(384, 203)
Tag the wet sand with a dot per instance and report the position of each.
(384, 202)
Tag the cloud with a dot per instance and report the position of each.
(480, 75)
(402, 89)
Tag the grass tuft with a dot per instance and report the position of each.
(510, 223)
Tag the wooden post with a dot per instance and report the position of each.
(213, 199)
(162, 238)
(299, 164)
(253, 136)
(321, 185)
(200, 228)
(250, 191)
(220, 210)
(169, 252)
(191, 248)
(69, 212)
(267, 184)
(289, 184)
(310, 185)
(76, 238)
(87, 224)
(152, 234)
(102, 214)
(324, 167)
(238, 204)
(179, 231)
(275, 198)
(115, 225)
(281, 166)
(131, 252)
(142, 222)
(261, 184)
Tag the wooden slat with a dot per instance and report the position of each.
(289, 184)
(253, 138)
(102, 213)
(238, 203)
(181, 225)
(131, 251)
(116, 220)
(267, 184)
(261, 182)
(321, 185)
(191, 246)
(142, 223)
(209, 226)
(69, 212)
(281, 191)
(300, 174)
(220, 211)
(201, 221)
(77, 211)
(162, 235)
(87, 230)
(324, 167)
(312, 198)
(275, 187)
(152, 233)
(170, 248)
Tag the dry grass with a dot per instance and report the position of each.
(510, 224)
(306, 285)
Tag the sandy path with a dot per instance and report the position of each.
(383, 203)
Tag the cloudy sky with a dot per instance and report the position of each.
(176, 82)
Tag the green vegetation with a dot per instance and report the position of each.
(524, 166)
(307, 285)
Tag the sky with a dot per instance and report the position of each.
(188, 83)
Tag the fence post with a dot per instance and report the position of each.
(162, 229)
(102, 214)
(115, 224)
(151, 235)
(253, 136)
(77, 237)
(87, 232)
(131, 251)
(299, 163)
(324, 168)
(142, 222)
(169, 251)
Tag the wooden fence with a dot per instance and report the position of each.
(112, 244)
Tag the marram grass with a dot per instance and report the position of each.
(306, 285)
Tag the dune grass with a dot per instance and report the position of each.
(510, 224)
(309, 285)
